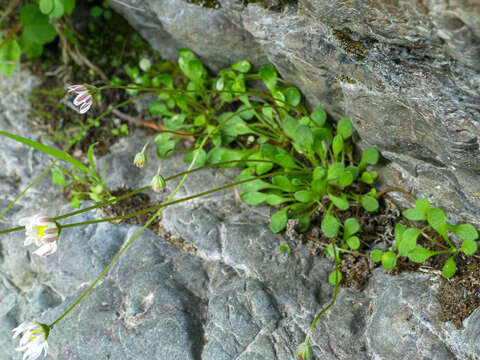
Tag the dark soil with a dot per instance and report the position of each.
(132, 204)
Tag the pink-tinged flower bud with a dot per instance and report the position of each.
(84, 98)
(158, 183)
(42, 231)
(304, 352)
(140, 160)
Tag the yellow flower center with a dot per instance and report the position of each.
(41, 231)
(31, 335)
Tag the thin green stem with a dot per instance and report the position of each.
(314, 323)
(168, 203)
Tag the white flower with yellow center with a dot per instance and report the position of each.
(42, 231)
(34, 339)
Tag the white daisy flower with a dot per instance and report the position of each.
(84, 97)
(34, 339)
(42, 231)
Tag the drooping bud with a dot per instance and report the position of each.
(304, 352)
(140, 160)
(158, 183)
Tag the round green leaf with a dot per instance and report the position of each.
(304, 137)
(292, 96)
(319, 116)
(449, 268)
(337, 145)
(254, 198)
(350, 227)
(96, 11)
(353, 242)
(46, 6)
(344, 128)
(464, 231)
(289, 126)
(376, 255)
(273, 199)
(37, 27)
(278, 221)
(335, 275)
(305, 196)
(369, 177)
(340, 202)
(414, 214)
(370, 156)
(389, 260)
(58, 9)
(419, 254)
(345, 179)
(422, 205)
(409, 241)
(269, 76)
(369, 203)
(242, 66)
(330, 226)
(469, 247)
(10, 52)
(437, 220)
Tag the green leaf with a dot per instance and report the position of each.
(369, 177)
(201, 157)
(419, 254)
(96, 11)
(37, 27)
(334, 171)
(242, 66)
(234, 127)
(278, 221)
(344, 128)
(335, 275)
(285, 248)
(283, 183)
(350, 227)
(274, 200)
(304, 137)
(319, 116)
(337, 145)
(449, 268)
(370, 156)
(345, 179)
(422, 205)
(164, 144)
(90, 159)
(10, 52)
(399, 230)
(254, 198)
(469, 247)
(292, 96)
(58, 9)
(50, 151)
(409, 241)
(319, 173)
(269, 76)
(319, 186)
(46, 6)
(389, 260)
(376, 255)
(175, 122)
(286, 161)
(437, 220)
(369, 203)
(58, 178)
(353, 242)
(414, 214)
(464, 231)
(255, 185)
(30, 48)
(289, 126)
(306, 196)
(330, 226)
(196, 70)
(340, 202)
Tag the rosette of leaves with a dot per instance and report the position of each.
(406, 239)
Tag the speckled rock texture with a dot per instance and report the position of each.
(224, 292)
(406, 72)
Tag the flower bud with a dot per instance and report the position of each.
(140, 160)
(158, 183)
(304, 351)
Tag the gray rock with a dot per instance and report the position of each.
(405, 72)
(230, 294)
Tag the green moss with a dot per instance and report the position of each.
(210, 4)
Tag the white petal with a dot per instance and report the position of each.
(46, 250)
(81, 98)
(85, 107)
(76, 88)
